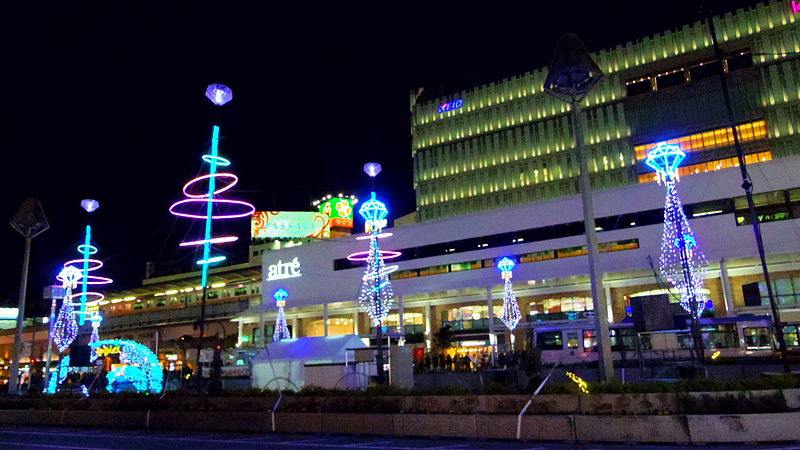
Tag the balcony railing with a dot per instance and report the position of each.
(549, 317)
(170, 316)
(476, 324)
(410, 329)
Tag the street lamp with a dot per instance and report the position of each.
(572, 74)
(30, 222)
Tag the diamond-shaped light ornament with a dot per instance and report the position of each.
(219, 94)
(96, 319)
(69, 276)
(374, 213)
(90, 205)
(372, 169)
(573, 72)
(665, 159)
(280, 297)
(506, 265)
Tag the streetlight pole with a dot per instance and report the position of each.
(30, 222)
(571, 76)
(747, 185)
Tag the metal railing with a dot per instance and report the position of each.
(167, 316)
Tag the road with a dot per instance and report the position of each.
(25, 437)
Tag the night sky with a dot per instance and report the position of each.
(105, 100)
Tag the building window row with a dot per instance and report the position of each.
(710, 139)
(687, 74)
(713, 166)
(568, 252)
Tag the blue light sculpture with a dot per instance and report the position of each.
(511, 315)
(281, 329)
(682, 262)
(376, 290)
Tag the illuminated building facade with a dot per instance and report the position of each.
(508, 143)
(448, 269)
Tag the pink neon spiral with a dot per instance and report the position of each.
(363, 256)
(195, 206)
(248, 211)
(231, 183)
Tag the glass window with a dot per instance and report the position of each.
(549, 340)
(638, 87)
(572, 339)
(757, 338)
(741, 60)
(622, 339)
(704, 70)
(790, 335)
(675, 78)
(589, 340)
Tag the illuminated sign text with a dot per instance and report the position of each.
(282, 270)
(449, 106)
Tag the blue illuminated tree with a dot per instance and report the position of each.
(511, 314)
(682, 262)
(376, 290)
(281, 329)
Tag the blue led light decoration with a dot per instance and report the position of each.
(95, 319)
(65, 328)
(147, 374)
(682, 262)
(376, 293)
(281, 329)
(511, 315)
(209, 205)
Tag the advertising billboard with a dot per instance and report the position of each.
(289, 224)
(340, 210)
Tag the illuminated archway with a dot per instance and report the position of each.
(150, 377)
(147, 377)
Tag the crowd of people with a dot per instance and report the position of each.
(472, 362)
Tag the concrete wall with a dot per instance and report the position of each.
(681, 429)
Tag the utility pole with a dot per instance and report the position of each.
(571, 76)
(747, 185)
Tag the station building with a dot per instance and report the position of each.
(447, 272)
(495, 175)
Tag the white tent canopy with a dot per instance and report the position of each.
(283, 363)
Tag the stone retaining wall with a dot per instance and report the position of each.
(743, 428)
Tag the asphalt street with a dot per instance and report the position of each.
(25, 437)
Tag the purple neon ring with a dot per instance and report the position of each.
(250, 209)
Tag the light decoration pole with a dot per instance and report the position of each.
(87, 265)
(95, 319)
(77, 272)
(376, 295)
(571, 76)
(511, 315)
(281, 329)
(208, 206)
(682, 262)
(65, 328)
(29, 221)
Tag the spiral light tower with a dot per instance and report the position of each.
(209, 206)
